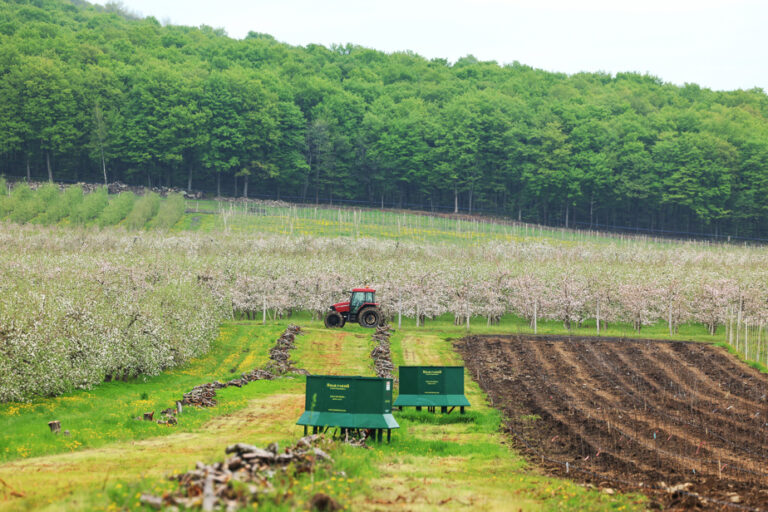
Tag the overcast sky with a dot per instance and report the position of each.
(716, 43)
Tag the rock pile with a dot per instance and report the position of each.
(382, 357)
(242, 478)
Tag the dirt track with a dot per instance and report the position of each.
(685, 423)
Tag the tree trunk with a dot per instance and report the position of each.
(235, 184)
(189, 179)
(471, 191)
(317, 185)
(245, 187)
(29, 176)
(566, 215)
(218, 184)
(48, 165)
(455, 199)
(670, 320)
(467, 317)
(399, 312)
(598, 318)
(103, 164)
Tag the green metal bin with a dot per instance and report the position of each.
(348, 402)
(431, 387)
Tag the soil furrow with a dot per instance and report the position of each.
(631, 412)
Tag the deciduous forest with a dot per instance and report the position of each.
(90, 93)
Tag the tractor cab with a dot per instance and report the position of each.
(361, 307)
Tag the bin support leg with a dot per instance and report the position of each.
(389, 433)
(443, 409)
(418, 407)
(461, 410)
(305, 431)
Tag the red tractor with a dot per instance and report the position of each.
(361, 308)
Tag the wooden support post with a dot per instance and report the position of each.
(443, 409)
(461, 410)
(305, 431)
(418, 407)
(389, 434)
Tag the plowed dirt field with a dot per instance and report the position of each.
(685, 423)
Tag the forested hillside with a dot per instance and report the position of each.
(91, 93)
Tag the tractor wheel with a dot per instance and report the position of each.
(334, 319)
(369, 317)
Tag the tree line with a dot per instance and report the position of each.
(91, 93)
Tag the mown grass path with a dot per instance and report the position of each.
(434, 461)
(439, 461)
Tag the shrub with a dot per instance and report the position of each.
(117, 210)
(63, 206)
(143, 210)
(171, 210)
(91, 206)
(75, 327)
(5, 198)
(47, 194)
(24, 206)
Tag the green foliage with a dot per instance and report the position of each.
(118, 209)
(179, 106)
(62, 205)
(23, 204)
(5, 199)
(170, 211)
(90, 208)
(144, 209)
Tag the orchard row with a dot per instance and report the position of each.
(78, 307)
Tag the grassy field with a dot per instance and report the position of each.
(434, 461)
(108, 412)
(212, 215)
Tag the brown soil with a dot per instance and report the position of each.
(685, 423)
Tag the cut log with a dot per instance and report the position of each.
(55, 426)
(209, 497)
(155, 502)
(149, 415)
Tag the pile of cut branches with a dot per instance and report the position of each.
(245, 477)
(280, 363)
(280, 355)
(382, 357)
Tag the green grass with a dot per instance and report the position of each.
(434, 461)
(107, 413)
(511, 324)
(356, 223)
